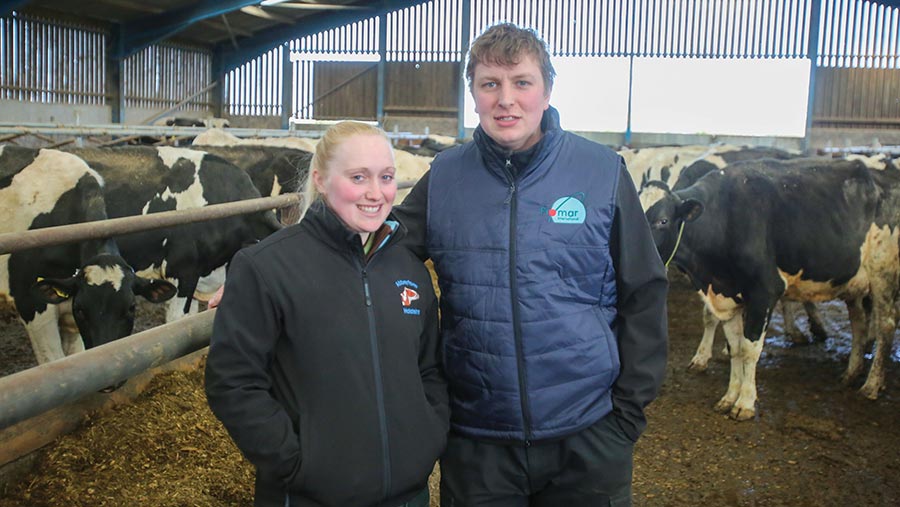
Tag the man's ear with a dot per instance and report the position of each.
(155, 291)
(54, 290)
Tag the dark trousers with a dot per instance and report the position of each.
(591, 468)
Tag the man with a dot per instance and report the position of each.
(553, 297)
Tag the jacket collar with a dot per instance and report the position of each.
(325, 224)
(524, 161)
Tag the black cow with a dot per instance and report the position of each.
(74, 296)
(143, 180)
(808, 229)
(273, 170)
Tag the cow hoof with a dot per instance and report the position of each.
(869, 391)
(742, 414)
(847, 379)
(697, 367)
(819, 334)
(798, 338)
(723, 406)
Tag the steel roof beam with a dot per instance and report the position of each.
(308, 25)
(142, 33)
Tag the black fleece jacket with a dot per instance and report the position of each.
(326, 370)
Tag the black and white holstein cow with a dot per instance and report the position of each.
(142, 180)
(807, 229)
(74, 296)
(714, 160)
(670, 163)
(274, 170)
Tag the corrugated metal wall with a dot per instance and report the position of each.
(163, 75)
(47, 61)
(53, 61)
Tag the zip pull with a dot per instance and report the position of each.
(512, 184)
(366, 288)
(512, 190)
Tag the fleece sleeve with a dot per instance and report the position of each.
(413, 214)
(641, 325)
(238, 385)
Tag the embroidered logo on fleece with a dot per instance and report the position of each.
(566, 210)
(408, 295)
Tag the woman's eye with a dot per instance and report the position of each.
(388, 177)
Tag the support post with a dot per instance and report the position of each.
(217, 92)
(287, 86)
(465, 36)
(382, 63)
(815, 16)
(115, 95)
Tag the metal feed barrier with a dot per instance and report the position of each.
(34, 393)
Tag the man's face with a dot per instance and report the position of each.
(510, 102)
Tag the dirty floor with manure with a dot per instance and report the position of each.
(814, 442)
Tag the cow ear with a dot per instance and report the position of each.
(155, 291)
(690, 209)
(54, 290)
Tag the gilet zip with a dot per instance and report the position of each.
(514, 290)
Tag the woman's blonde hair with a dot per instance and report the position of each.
(325, 149)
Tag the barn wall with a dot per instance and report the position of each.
(862, 98)
(348, 90)
(82, 114)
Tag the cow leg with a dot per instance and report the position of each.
(734, 333)
(740, 399)
(859, 313)
(68, 329)
(704, 351)
(816, 327)
(175, 308)
(43, 331)
(875, 381)
(184, 303)
(790, 310)
(882, 327)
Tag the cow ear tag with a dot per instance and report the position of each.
(57, 290)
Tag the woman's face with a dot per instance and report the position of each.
(359, 184)
(510, 102)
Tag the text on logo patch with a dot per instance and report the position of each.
(566, 210)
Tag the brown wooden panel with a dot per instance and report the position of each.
(345, 90)
(857, 97)
(349, 90)
(424, 88)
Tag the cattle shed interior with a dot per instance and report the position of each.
(103, 101)
(122, 68)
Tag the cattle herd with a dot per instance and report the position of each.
(750, 227)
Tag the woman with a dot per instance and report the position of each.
(324, 361)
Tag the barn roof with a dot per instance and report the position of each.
(241, 29)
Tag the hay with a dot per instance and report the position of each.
(166, 449)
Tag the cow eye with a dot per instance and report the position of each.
(662, 221)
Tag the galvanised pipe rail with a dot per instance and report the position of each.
(31, 392)
(51, 236)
